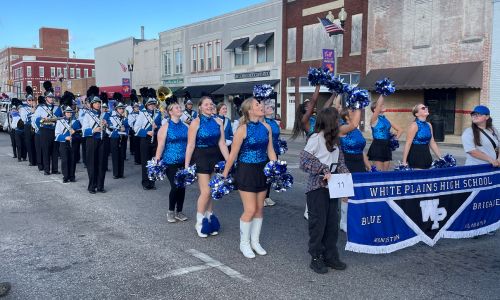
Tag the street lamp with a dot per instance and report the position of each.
(130, 66)
(342, 17)
(61, 79)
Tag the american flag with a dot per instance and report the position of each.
(124, 67)
(331, 28)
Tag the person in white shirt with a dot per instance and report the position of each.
(481, 140)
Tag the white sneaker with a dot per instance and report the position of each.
(170, 217)
(269, 202)
(306, 214)
(197, 226)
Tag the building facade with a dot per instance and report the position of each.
(146, 64)
(62, 72)
(438, 53)
(225, 56)
(53, 42)
(494, 103)
(304, 38)
(112, 66)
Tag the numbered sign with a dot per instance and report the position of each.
(340, 185)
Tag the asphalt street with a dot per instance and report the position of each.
(59, 242)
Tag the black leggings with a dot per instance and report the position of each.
(176, 195)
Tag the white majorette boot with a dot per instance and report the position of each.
(254, 236)
(197, 226)
(245, 239)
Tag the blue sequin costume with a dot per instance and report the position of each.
(312, 123)
(275, 133)
(423, 135)
(175, 143)
(382, 131)
(254, 147)
(208, 134)
(353, 142)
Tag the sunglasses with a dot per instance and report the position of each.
(475, 114)
(423, 108)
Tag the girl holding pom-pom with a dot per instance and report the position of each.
(253, 146)
(172, 142)
(419, 141)
(320, 158)
(206, 146)
(275, 127)
(380, 150)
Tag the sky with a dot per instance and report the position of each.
(93, 23)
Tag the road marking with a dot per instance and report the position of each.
(209, 264)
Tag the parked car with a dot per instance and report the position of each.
(4, 111)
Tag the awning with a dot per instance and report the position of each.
(261, 39)
(198, 91)
(459, 75)
(240, 88)
(236, 44)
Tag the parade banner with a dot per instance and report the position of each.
(328, 60)
(395, 210)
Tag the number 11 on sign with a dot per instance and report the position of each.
(340, 185)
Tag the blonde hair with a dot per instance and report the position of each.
(246, 106)
(171, 106)
(414, 111)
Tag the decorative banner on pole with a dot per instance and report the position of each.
(329, 59)
(126, 86)
(395, 210)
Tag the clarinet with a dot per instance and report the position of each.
(152, 127)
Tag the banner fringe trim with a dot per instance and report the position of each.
(359, 248)
(471, 233)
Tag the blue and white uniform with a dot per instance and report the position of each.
(118, 132)
(47, 135)
(206, 152)
(67, 149)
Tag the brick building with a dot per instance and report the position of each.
(438, 53)
(53, 42)
(34, 70)
(303, 40)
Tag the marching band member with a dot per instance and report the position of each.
(172, 142)
(65, 129)
(228, 130)
(7, 125)
(118, 135)
(81, 115)
(94, 122)
(134, 140)
(253, 147)
(320, 158)
(206, 147)
(275, 128)
(106, 140)
(29, 133)
(380, 150)
(146, 128)
(189, 114)
(419, 141)
(18, 126)
(35, 124)
(47, 114)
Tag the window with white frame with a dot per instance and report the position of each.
(59, 72)
(218, 51)
(291, 49)
(41, 72)
(201, 55)
(28, 71)
(72, 72)
(93, 72)
(41, 86)
(29, 83)
(167, 63)
(178, 61)
(194, 59)
(52, 72)
(209, 56)
(78, 75)
(350, 78)
(315, 39)
(65, 72)
(85, 73)
(266, 53)
(242, 55)
(356, 33)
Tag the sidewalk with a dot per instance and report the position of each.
(449, 140)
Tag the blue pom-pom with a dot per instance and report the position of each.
(185, 177)
(317, 76)
(278, 176)
(358, 99)
(394, 143)
(335, 84)
(347, 89)
(262, 91)
(205, 226)
(401, 167)
(446, 161)
(157, 170)
(219, 167)
(214, 223)
(220, 186)
(385, 87)
(283, 146)
(374, 169)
